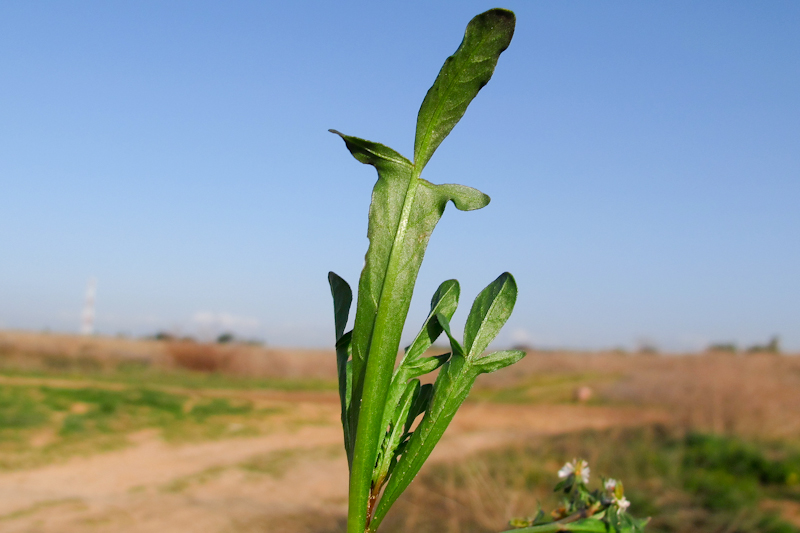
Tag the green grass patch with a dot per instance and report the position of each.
(135, 374)
(42, 424)
(19, 410)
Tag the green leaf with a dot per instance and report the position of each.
(586, 525)
(463, 197)
(462, 76)
(452, 386)
(444, 301)
(396, 430)
(421, 403)
(497, 360)
(455, 346)
(489, 313)
(371, 153)
(403, 214)
(342, 298)
(420, 366)
(344, 369)
(423, 365)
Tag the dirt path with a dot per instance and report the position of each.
(282, 481)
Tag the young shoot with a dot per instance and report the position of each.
(382, 399)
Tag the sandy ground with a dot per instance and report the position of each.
(207, 487)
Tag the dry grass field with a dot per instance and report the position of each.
(105, 434)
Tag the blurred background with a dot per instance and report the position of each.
(173, 202)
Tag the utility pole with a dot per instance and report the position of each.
(87, 317)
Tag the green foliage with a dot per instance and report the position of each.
(738, 458)
(723, 347)
(136, 372)
(600, 510)
(81, 420)
(225, 338)
(379, 402)
(725, 473)
(773, 346)
(219, 406)
(19, 410)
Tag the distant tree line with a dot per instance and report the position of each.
(773, 346)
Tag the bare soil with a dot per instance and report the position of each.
(292, 479)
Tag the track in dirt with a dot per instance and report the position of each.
(256, 483)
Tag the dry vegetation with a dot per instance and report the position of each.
(750, 395)
(70, 353)
(205, 438)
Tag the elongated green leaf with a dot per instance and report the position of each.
(423, 365)
(342, 298)
(462, 76)
(489, 313)
(419, 367)
(396, 430)
(421, 402)
(450, 390)
(455, 346)
(386, 219)
(586, 525)
(445, 301)
(497, 360)
(344, 369)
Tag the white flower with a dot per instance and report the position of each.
(622, 503)
(610, 484)
(578, 467)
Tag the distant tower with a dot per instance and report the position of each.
(87, 317)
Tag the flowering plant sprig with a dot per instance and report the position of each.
(583, 510)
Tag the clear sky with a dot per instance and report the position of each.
(643, 160)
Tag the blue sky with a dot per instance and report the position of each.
(643, 161)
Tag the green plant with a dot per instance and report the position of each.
(380, 402)
(581, 510)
